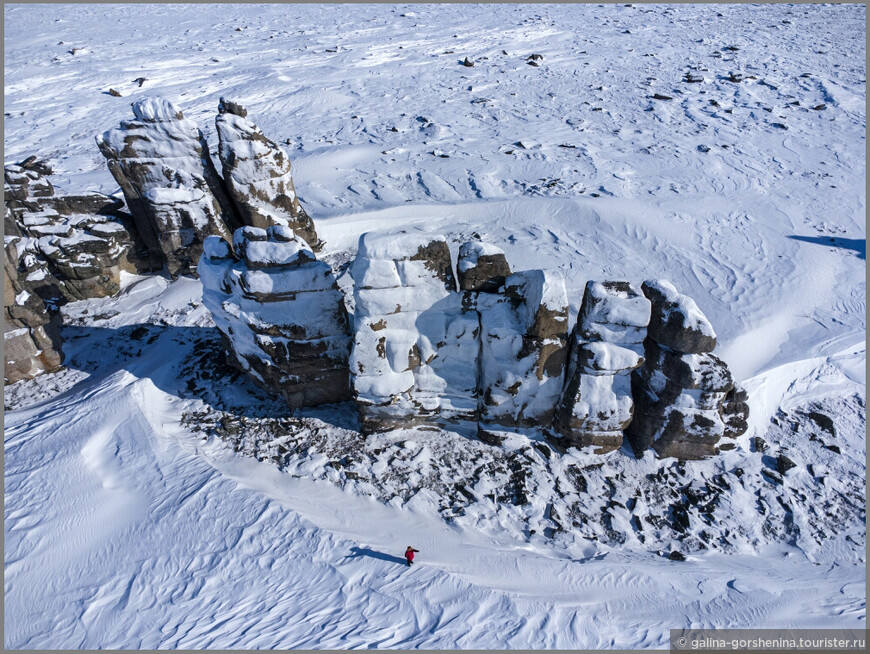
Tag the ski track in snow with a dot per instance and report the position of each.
(122, 529)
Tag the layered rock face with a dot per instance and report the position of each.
(415, 350)
(69, 247)
(606, 345)
(424, 353)
(681, 388)
(257, 174)
(162, 164)
(485, 352)
(524, 330)
(280, 312)
(31, 338)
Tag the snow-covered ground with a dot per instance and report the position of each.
(131, 522)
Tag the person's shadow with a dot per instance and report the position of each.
(356, 552)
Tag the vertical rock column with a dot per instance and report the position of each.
(280, 313)
(523, 351)
(414, 355)
(30, 333)
(606, 345)
(257, 174)
(162, 163)
(679, 390)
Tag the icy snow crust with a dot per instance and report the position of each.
(127, 526)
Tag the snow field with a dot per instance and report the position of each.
(124, 527)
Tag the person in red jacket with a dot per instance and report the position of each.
(409, 554)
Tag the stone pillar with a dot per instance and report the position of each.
(524, 330)
(681, 387)
(280, 312)
(606, 345)
(257, 174)
(414, 351)
(162, 164)
(32, 342)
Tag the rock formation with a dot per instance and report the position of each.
(523, 334)
(606, 345)
(280, 312)
(490, 355)
(31, 338)
(424, 353)
(414, 352)
(681, 387)
(257, 174)
(162, 164)
(69, 247)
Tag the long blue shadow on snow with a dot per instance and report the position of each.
(186, 362)
(356, 552)
(857, 245)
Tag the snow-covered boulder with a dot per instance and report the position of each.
(280, 312)
(596, 403)
(524, 330)
(481, 267)
(680, 394)
(31, 338)
(162, 164)
(676, 321)
(257, 174)
(414, 357)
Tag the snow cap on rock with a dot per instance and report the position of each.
(481, 267)
(676, 321)
(156, 110)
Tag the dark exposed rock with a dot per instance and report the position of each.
(735, 412)
(481, 267)
(676, 321)
(784, 464)
(823, 421)
(467, 62)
